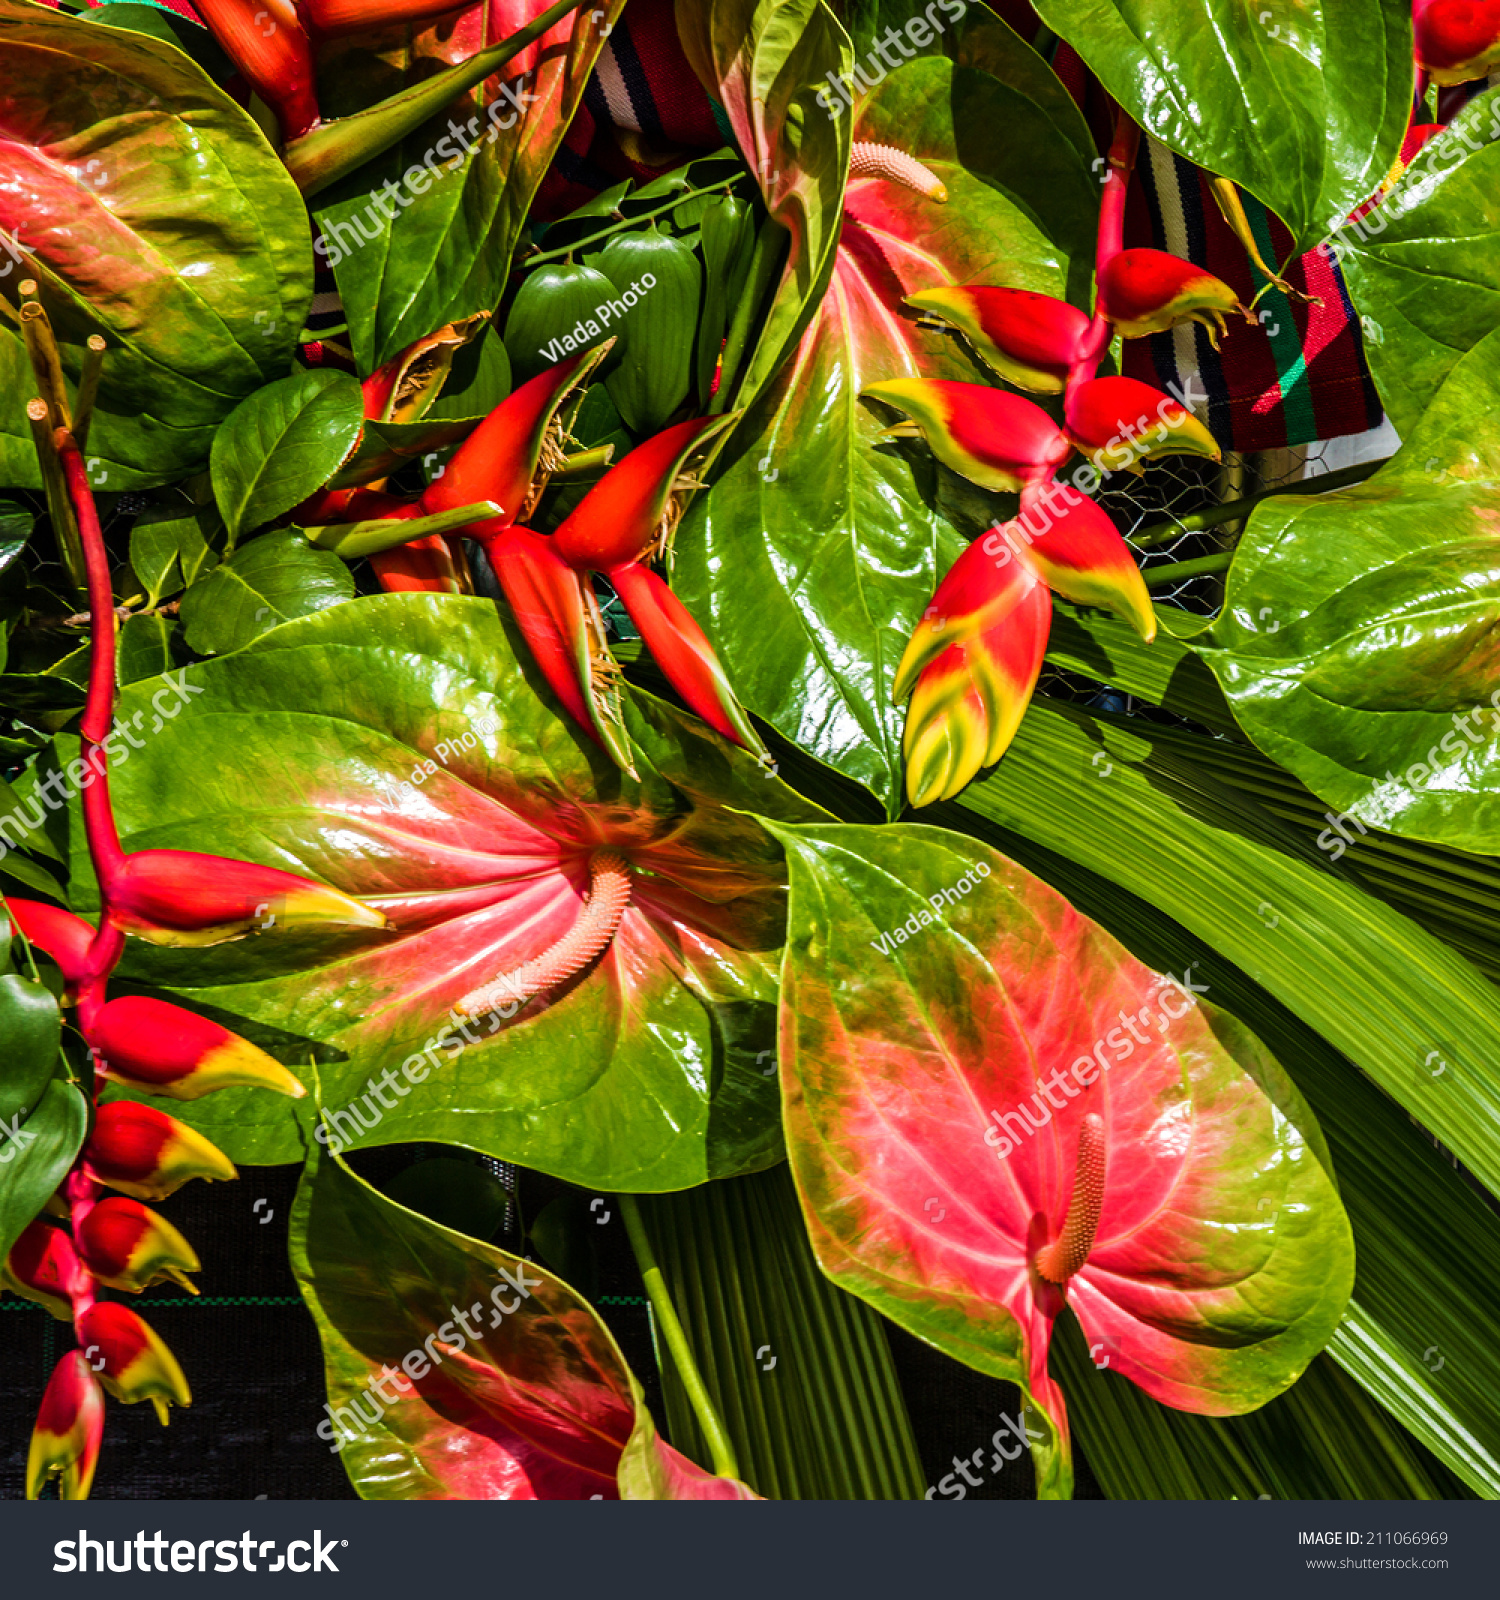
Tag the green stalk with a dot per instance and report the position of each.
(1235, 510)
(808, 1390)
(721, 1452)
(332, 150)
(616, 227)
(763, 264)
(1199, 567)
(352, 539)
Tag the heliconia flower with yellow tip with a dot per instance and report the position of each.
(973, 661)
(44, 1267)
(1456, 40)
(151, 1045)
(1148, 291)
(1032, 340)
(148, 1155)
(125, 1245)
(58, 933)
(1120, 422)
(136, 1364)
(182, 897)
(69, 1429)
(994, 439)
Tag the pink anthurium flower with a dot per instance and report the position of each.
(1003, 1115)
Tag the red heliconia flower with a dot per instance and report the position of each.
(151, 1045)
(145, 1153)
(403, 388)
(182, 897)
(127, 1246)
(1148, 291)
(59, 933)
(1120, 422)
(136, 1364)
(625, 519)
(973, 661)
(269, 45)
(994, 439)
(43, 1266)
(1031, 339)
(69, 1429)
(1457, 40)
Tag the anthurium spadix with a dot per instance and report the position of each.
(994, 1113)
(972, 662)
(69, 1430)
(994, 439)
(1031, 339)
(1121, 422)
(1456, 40)
(1145, 291)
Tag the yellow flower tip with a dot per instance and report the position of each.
(239, 1064)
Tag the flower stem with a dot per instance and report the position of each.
(1235, 510)
(625, 222)
(1203, 565)
(720, 1449)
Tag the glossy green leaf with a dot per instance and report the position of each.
(453, 195)
(397, 748)
(520, 1395)
(281, 444)
(811, 559)
(1151, 821)
(1422, 268)
(36, 1155)
(655, 371)
(271, 580)
(1222, 1260)
(1303, 102)
(156, 214)
(1356, 644)
(31, 1027)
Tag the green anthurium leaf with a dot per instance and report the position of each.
(949, 1023)
(272, 579)
(662, 277)
(1303, 102)
(457, 1371)
(764, 64)
(1151, 820)
(399, 748)
(1421, 267)
(424, 234)
(169, 26)
(1356, 643)
(810, 561)
(281, 444)
(31, 1026)
(36, 1154)
(1412, 1333)
(457, 1194)
(149, 209)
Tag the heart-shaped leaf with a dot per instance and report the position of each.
(150, 209)
(950, 1025)
(441, 249)
(397, 749)
(1422, 267)
(32, 1029)
(1304, 102)
(810, 561)
(1357, 639)
(35, 1156)
(274, 578)
(523, 1395)
(281, 444)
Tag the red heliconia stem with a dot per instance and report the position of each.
(1058, 1261)
(1111, 239)
(609, 895)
